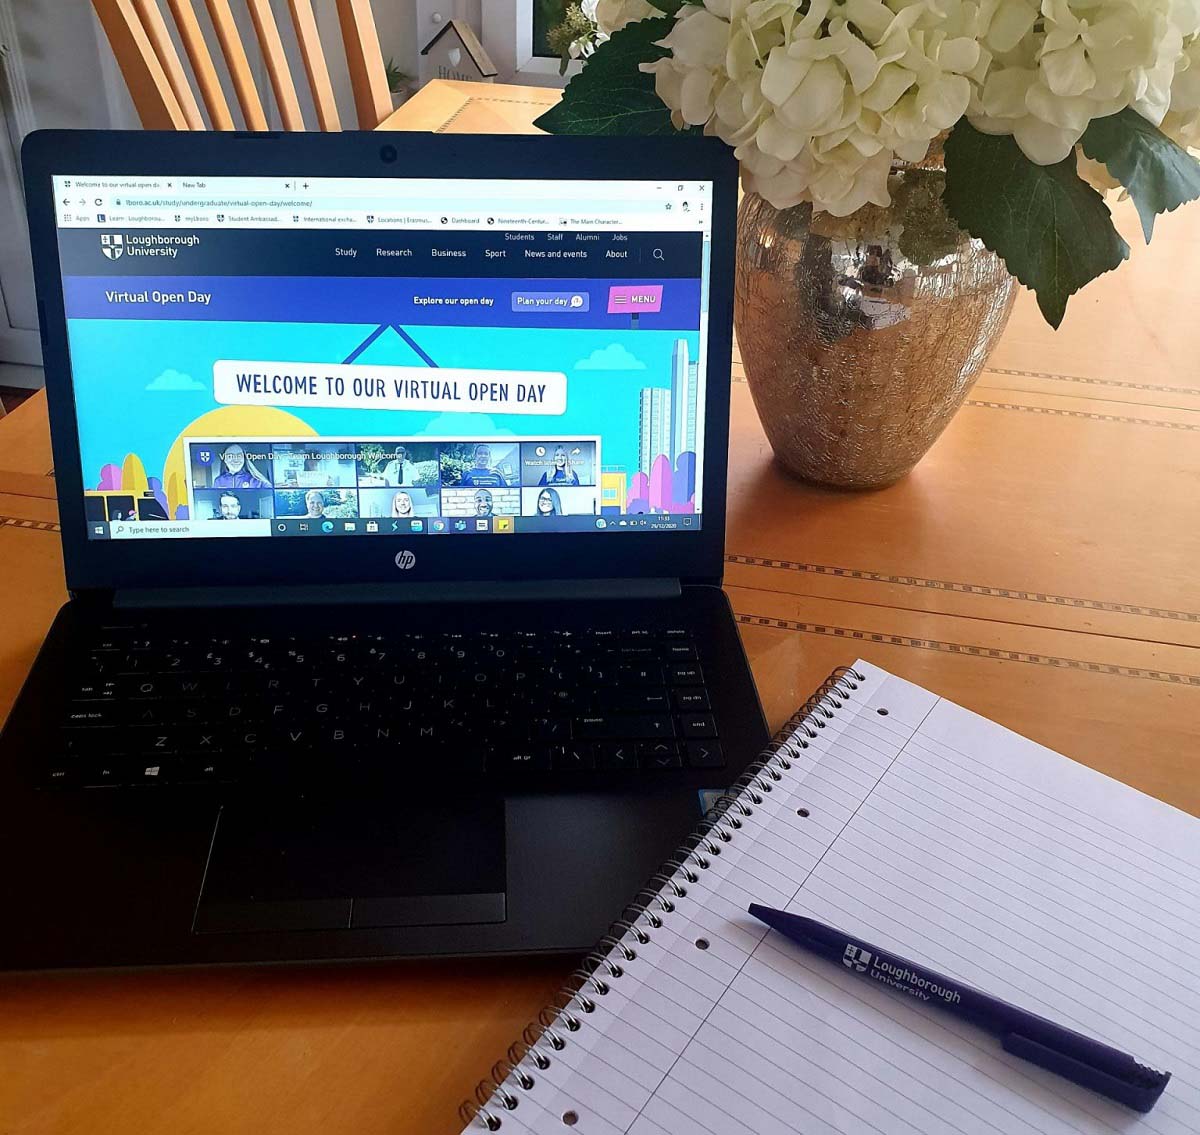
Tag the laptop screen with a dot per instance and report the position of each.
(317, 357)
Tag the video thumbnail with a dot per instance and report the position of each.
(551, 500)
(304, 465)
(558, 463)
(397, 464)
(398, 503)
(231, 465)
(481, 502)
(481, 464)
(316, 502)
(234, 504)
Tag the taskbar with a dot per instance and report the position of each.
(387, 526)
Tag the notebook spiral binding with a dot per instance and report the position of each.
(493, 1096)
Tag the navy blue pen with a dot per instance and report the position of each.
(1070, 1054)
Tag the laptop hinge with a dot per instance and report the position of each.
(323, 595)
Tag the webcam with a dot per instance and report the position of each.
(387, 153)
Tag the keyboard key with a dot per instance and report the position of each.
(686, 675)
(705, 754)
(201, 742)
(95, 713)
(616, 755)
(576, 756)
(97, 689)
(658, 754)
(624, 725)
(153, 742)
(698, 725)
(105, 774)
(551, 729)
(648, 675)
(86, 743)
(530, 758)
(633, 701)
(689, 698)
(679, 652)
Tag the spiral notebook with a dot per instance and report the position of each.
(895, 815)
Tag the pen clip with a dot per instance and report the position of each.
(1139, 1090)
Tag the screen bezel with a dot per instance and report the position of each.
(112, 564)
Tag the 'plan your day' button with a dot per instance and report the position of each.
(550, 301)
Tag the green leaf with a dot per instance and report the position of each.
(670, 7)
(610, 95)
(1159, 175)
(1051, 229)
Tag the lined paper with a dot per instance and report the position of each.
(944, 838)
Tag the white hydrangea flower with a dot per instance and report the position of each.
(818, 97)
(818, 103)
(1057, 66)
(1182, 120)
(612, 15)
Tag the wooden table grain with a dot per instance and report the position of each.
(1039, 567)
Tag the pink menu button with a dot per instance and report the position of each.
(635, 298)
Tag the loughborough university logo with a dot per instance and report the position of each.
(405, 560)
(856, 958)
(112, 245)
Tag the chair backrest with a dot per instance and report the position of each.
(158, 81)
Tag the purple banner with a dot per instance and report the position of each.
(653, 304)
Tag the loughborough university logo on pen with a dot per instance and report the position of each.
(856, 958)
(897, 975)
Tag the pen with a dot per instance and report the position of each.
(1078, 1058)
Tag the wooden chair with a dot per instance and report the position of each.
(158, 82)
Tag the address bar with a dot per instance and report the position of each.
(383, 202)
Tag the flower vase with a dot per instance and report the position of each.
(862, 336)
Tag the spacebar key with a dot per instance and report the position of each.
(623, 726)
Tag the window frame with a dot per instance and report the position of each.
(508, 37)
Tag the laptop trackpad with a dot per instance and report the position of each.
(298, 866)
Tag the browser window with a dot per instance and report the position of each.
(293, 357)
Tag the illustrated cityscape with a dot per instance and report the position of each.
(665, 480)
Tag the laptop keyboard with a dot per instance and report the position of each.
(154, 711)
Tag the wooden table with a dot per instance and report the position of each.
(1039, 566)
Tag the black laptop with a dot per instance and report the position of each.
(392, 477)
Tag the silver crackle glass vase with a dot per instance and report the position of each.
(862, 336)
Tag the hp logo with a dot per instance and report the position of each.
(405, 560)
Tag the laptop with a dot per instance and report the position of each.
(391, 473)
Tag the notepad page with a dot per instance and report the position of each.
(944, 838)
(618, 1058)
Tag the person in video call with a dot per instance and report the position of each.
(399, 470)
(238, 471)
(229, 507)
(481, 474)
(549, 503)
(562, 473)
(483, 503)
(314, 503)
(402, 506)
